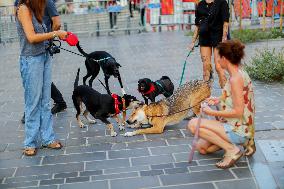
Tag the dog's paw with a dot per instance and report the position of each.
(121, 127)
(128, 134)
(82, 125)
(113, 134)
(92, 121)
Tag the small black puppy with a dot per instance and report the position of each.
(100, 106)
(100, 59)
(150, 89)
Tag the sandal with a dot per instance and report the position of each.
(30, 151)
(234, 159)
(250, 148)
(54, 145)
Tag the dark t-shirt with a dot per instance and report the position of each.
(49, 12)
(220, 14)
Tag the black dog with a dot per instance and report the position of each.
(150, 89)
(100, 59)
(100, 106)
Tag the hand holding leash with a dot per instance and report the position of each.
(212, 101)
(71, 39)
(191, 47)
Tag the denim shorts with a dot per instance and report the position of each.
(233, 136)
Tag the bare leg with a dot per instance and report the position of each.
(91, 121)
(214, 132)
(120, 124)
(206, 54)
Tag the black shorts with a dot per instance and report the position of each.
(212, 39)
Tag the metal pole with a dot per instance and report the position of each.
(98, 28)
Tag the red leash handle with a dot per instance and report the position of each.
(71, 39)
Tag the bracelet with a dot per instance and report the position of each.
(54, 35)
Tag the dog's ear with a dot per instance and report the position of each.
(118, 65)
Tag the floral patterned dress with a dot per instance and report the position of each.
(243, 126)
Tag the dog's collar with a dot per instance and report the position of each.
(152, 89)
(116, 103)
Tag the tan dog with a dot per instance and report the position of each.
(171, 110)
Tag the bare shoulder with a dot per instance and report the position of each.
(237, 80)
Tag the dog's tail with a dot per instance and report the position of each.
(77, 79)
(81, 50)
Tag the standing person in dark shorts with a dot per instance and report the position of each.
(212, 23)
(52, 21)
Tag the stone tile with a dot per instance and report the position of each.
(151, 173)
(7, 172)
(168, 134)
(65, 175)
(115, 176)
(127, 169)
(190, 186)
(89, 148)
(128, 153)
(169, 149)
(135, 183)
(147, 144)
(107, 164)
(20, 162)
(162, 166)
(277, 169)
(3, 147)
(185, 164)
(203, 168)
(19, 184)
(52, 181)
(11, 154)
(76, 142)
(44, 187)
(98, 184)
(195, 177)
(50, 169)
(74, 158)
(237, 184)
(208, 162)
(77, 179)
(242, 172)
(180, 141)
(152, 160)
(28, 178)
(176, 170)
(90, 173)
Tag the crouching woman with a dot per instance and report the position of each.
(236, 114)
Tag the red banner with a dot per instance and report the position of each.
(167, 7)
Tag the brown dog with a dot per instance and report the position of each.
(171, 110)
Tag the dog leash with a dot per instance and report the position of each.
(184, 65)
(194, 142)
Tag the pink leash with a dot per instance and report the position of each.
(194, 142)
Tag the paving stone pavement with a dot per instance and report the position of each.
(92, 159)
